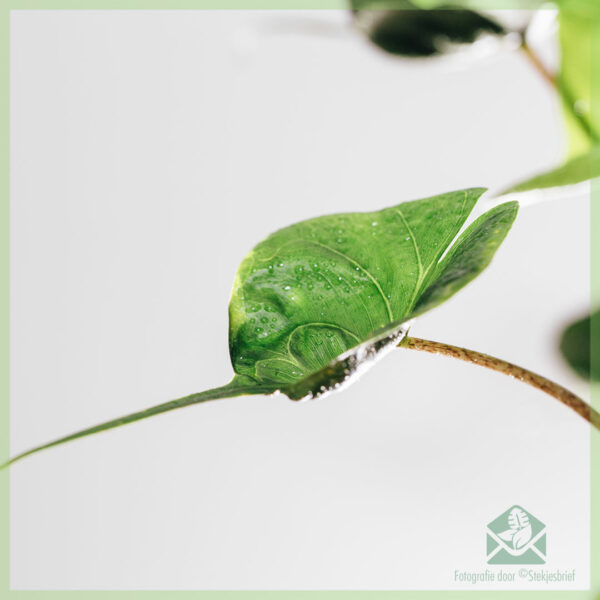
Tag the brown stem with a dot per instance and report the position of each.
(496, 364)
(538, 65)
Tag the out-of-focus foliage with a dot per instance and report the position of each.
(579, 20)
(580, 168)
(423, 28)
(408, 30)
(575, 345)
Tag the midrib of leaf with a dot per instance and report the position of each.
(446, 246)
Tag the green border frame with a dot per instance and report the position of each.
(6, 7)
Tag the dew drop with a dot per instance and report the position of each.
(287, 287)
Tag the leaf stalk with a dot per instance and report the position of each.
(568, 398)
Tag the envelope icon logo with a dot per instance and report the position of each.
(516, 537)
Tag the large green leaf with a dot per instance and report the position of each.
(312, 291)
(316, 302)
(575, 345)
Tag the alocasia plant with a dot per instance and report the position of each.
(314, 303)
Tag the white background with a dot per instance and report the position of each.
(150, 152)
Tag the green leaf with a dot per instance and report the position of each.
(408, 30)
(574, 171)
(317, 302)
(575, 345)
(579, 22)
(472, 253)
(312, 291)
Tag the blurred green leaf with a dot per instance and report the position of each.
(574, 171)
(579, 20)
(575, 345)
(404, 28)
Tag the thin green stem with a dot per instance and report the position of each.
(230, 390)
(555, 390)
(562, 89)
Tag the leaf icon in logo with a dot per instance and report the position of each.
(507, 535)
(520, 528)
(517, 519)
(521, 537)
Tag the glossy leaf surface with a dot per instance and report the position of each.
(314, 290)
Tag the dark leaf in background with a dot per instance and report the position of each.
(411, 31)
(575, 345)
